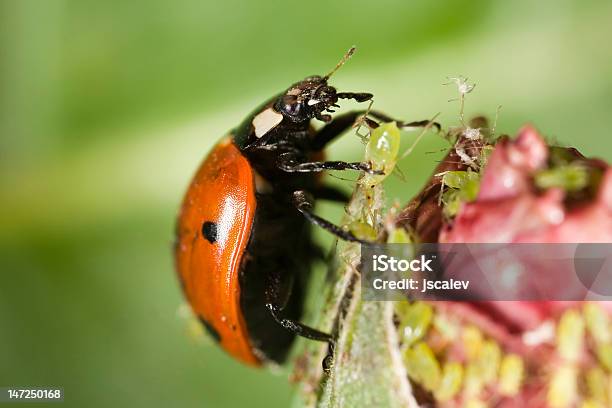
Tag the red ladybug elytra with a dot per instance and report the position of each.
(243, 246)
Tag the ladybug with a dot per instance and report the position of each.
(243, 241)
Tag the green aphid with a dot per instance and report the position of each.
(422, 366)
(571, 178)
(469, 191)
(485, 153)
(488, 361)
(570, 336)
(458, 179)
(461, 187)
(452, 202)
(589, 403)
(560, 156)
(399, 236)
(381, 152)
(597, 384)
(450, 384)
(472, 342)
(415, 320)
(446, 327)
(563, 387)
(604, 355)
(475, 403)
(597, 322)
(473, 383)
(363, 231)
(511, 374)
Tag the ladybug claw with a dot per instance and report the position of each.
(367, 167)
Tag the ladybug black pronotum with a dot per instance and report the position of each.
(243, 244)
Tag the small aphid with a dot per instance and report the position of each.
(450, 383)
(604, 355)
(472, 382)
(457, 187)
(475, 403)
(464, 88)
(511, 374)
(418, 138)
(462, 84)
(489, 360)
(472, 341)
(571, 177)
(597, 384)
(563, 387)
(472, 133)
(415, 320)
(465, 158)
(381, 152)
(570, 336)
(423, 366)
(597, 322)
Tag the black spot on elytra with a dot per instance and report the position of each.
(209, 231)
(211, 330)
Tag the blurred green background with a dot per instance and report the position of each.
(107, 107)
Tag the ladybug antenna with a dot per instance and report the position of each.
(346, 57)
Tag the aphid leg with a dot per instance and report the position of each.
(464, 88)
(364, 120)
(289, 162)
(418, 138)
(492, 135)
(303, 203)
(335, 128)
(401, 124)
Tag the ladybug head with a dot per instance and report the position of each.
(311, 97)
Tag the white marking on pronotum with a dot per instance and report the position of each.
(313, 102)
(266, 121)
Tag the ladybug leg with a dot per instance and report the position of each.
(343, 122)
(329, 193)
(335, 128)
(303, 203)
(288, 162)
(402, 124)
(297, 327)
(307, 332)
(278, 290)
(358, 96)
